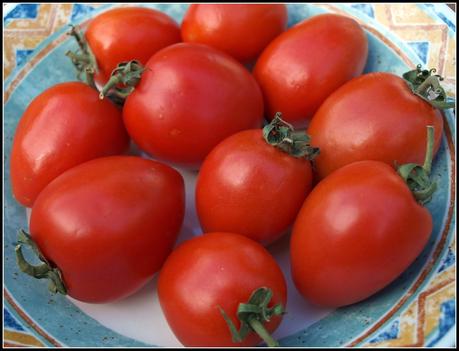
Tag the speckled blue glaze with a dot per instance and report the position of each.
(338, 328)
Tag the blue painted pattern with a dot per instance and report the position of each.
(448, 317)
(21, 56)
(442, 16)
(22, 11)
(421, 48)
(367, 9)
(80, 11)
(389, 334)
(448, 22)
(448, 261)
(11, 322)
(447, 320)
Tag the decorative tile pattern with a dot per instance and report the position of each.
(413, 25)
(390, 333)
(426, 318)
(424, 321)
(367, 9)
(22, 11)
(449, 260)
(430, 316)
(421, 48)
(27, 25)
(11, 322)
(80, 10)
(15, 334)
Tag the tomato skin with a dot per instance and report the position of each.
(357, 231)
(305, 64)
(373, 117)
(129, 33)
(249, 187)
(109, 224)
(240, 30)
(189, 99)
(62, 127)
(216, 269)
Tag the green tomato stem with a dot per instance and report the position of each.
(258, 328)
(41, 271)
(417, 177)
(83, 59)
(252, 315)
(429, 149)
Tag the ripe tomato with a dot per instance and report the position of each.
(62, 127)
(305, 64)
(191, 97)
(240, 30)
(357, 231)
(109, 224)
(373, 117)
(247, 186)
(216, 272)
(128, 33)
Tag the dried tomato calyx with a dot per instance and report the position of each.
(83, 59)
(426, 85)
(282, 135)
(128, 75)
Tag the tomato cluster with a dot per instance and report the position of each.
(103, 221)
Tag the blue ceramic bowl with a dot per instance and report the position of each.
(418, 308)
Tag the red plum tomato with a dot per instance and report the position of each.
(373, 117)
(215, 272)
(249, 187)
(128, 33)
(190, 98)
(240, 30)
(62, 127)
(357, 231)
(109, 224)
(301, 67)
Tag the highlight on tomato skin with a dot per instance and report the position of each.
(240, 30)
(105, 227)
(204, 281)
(65, 125)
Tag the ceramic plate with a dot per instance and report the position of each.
(416, 309)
